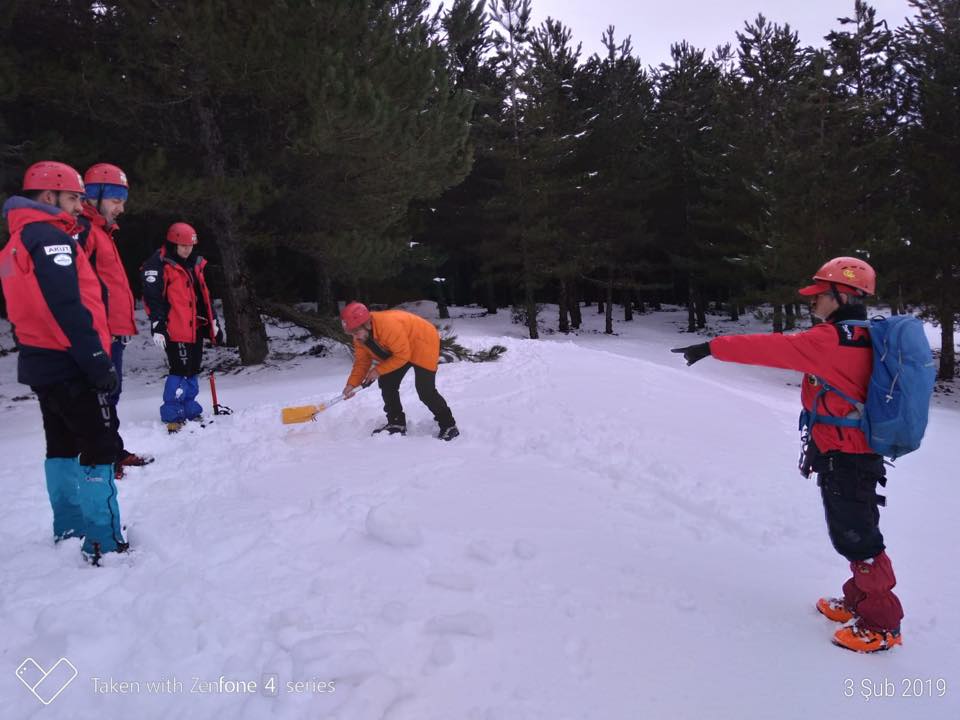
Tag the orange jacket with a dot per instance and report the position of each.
(407, 337)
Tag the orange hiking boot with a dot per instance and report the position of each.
(834, 609)
(865, 641)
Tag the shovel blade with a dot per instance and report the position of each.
(300, 413)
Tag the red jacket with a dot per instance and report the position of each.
(170, 296)
(101, 249)
(53, 296)
(842, 356)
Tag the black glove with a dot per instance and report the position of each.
(692, 353)
(108, 382)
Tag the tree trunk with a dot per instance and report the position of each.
(734, 311)
(531, 307)
(573, 304)
(608, 316)
(562, 302)
(238, 285)
(491, 294)
(230, 321)
(249, 330)
(326, 305)
(791, 318)
(778, 318)
(691, 307)
(320, 326)
(529, 301)
(628, 305)
(442, 310)
(948, 360)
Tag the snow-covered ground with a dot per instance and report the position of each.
(614, 536)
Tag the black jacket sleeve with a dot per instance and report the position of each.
(54, 257)
(153, 295)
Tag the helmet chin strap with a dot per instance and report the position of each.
(836, 294)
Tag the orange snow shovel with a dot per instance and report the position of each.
(306, 413)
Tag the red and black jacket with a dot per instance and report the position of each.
(97, 241)
(176, 297)
(842, 356)
(53, 297)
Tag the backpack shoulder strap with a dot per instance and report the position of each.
(847, 338)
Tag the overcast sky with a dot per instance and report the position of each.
(704, 23)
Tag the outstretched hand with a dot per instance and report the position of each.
(693, 353)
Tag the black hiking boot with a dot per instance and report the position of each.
(392, 428)
(448, 433)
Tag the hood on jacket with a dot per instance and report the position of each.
(20, 211)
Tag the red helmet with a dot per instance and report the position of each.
(354, 315)
(105, 173)
(848, 272)
(182, 234)
(50, 175)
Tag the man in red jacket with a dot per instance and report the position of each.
(106, 197)
(848, 470)
(56, 308)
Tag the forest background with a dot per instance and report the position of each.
(383, 150)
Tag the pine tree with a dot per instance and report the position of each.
(554, 126)
(929, 87)
(512, 43)
(617, 97)
(457, 224)
(687, 123)
(772, 63)
(863, 193)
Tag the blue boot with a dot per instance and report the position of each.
(172, 410)
(63, 487)
(191, 388)
(98, 498)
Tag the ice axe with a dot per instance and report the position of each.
(306, 413)
(218, 409)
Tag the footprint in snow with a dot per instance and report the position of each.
(442, 653)
(395, 613)
(387, 526)
(471, 624)
(524, 549)
(482, 552)
(451, 581)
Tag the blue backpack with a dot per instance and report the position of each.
(894, 417)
